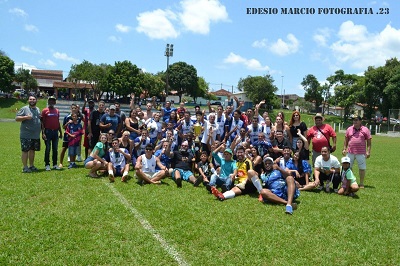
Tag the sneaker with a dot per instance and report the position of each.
(68, 159)
(70, 166)
(56, 167)
(327, 186)
(60, 166)
(178, 182)
(320, 187)
(217, 194)
(26, 170)
(74, 165)
(336, 190)
(48, 168)
(111, 178)
(198, 181)
(289, 209)
(33, 168)
(352, 194)
(79, 159)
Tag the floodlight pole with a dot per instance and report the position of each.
(169, 51)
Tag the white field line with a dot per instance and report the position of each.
(146, 225)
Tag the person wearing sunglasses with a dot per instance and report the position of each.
(146, 167)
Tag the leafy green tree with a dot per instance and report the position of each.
(202, 89)
(182, 78)
(150, 84)
(123, 78)
(6, 73)
(24, 76)
(348, 88)
(313, 90)
(259, 88)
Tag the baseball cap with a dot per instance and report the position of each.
(229, 151)
(112, 107)
(346, 160)
(51, 98)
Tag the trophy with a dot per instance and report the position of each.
(197, 131)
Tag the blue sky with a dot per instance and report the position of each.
(218, 38)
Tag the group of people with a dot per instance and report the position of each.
(229, 151)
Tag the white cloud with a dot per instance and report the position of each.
(193, 16)
(31, 28)
(280, 47)
(322, 36)
(283, 48)
(47, 63)
(24, 66)
(114, 39)
(251, 64)
(18, 12)
(122, 28)
(64, 57)
(359, 48)
(29, 50)
(198, 14)
(157, 24)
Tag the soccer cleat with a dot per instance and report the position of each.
(217, 194)
(47, 168)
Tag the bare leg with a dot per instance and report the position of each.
(362, 176)
(24, 159)
(268, 195)
(31, 155)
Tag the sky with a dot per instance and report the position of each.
(224, 40)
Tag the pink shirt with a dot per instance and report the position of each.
(357, 139)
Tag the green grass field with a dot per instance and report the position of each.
(66, 218)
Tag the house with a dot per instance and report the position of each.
(46, 78)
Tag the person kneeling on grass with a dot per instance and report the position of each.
(279, 187)
(228, 171)
(146, 167)
(117, 165)
(95, 161)
(349, 183)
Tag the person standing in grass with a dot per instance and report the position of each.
(357, 146)
(29, 116)
(349, 183)
(74, 131)
(119, 161)
(51, 132)
(95, 161)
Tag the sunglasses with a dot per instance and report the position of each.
(111, 133)
(149, 150)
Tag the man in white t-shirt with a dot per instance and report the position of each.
(146, 167)
(327, 168)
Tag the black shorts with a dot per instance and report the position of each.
(65, 144)
(30, 145)
(248, 188)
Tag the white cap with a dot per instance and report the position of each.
(346, 160)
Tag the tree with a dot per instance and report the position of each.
(123, 78)
(259, 88)
(313, 90)
(182, 78)
(150, 84)
(90, 73)
(6, 72)
(201, 90)
(24, 76)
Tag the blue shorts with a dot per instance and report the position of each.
(184, 174)
(72, 150)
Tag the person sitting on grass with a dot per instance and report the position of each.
(95, 161)
(146, 167)
(300, 170)
(327, 168)
(349, 183)
(74, 131)
(279, 187)
(183, 165)
(205, 169)
(245, 185)
(118, 165)
(228, 172)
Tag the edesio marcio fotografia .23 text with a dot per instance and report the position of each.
(316, 11)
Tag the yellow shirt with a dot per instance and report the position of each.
(243, 168)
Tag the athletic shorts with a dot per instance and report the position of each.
(184, 174)
(30, 145)
(247, 187)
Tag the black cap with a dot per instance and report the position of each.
(90, 101)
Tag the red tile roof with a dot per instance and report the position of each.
(222, 92)
(71, 85)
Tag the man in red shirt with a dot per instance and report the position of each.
(319, 135)
(357, 146)
(51, 131)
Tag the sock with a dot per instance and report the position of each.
(125, 173)
(229, 194)
(110, 172)
(256, 183)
